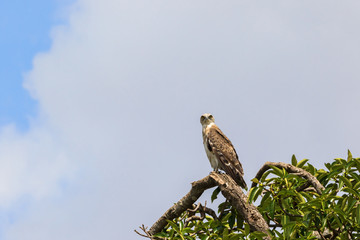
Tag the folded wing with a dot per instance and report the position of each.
(225, 152)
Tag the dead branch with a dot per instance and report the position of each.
(203, 210)
(183, 204)
(291, 169)
(195, 208)
(192, 212)
(231, 192)
(144, 229)
(210, 212)
(310, 189)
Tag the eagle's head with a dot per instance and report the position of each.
(207, 119)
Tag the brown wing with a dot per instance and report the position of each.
(225, 152)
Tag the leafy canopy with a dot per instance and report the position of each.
(292, 210)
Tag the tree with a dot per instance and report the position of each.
(295, 201)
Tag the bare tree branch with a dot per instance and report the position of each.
(183, 204)
(202, 210)
(210, 212)
(144, 229)
(238, 199)
(229, 189)
(291, 169)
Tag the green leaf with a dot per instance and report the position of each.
(232, 220)
(307, 196)
(254, 193)
(247, 229)
(357, 162)
(272, 209)
(293, 160)
(161, 234)
(235, 236)
(351, 191)
(264, 176)
(338, 167)
(341, 214)
(223, 206)
(315, 204)
(355, 176)
(349, 165)
(351, 204)
(277, 171)
(356, 186)
(346, 181)
(255, 180)
(302, 163)
(323, 222)
(349, 158)
(300, 197)
(285, 220)
(358, 214)
(215, 194)
(187, 230)
(226, 218)
(332, 174)
(226, 234)
(311, 169)
(189, 238)
(258, 235)
(266, 199)
(328, 166)
(173, 225)
(181, 225)
(239, 221)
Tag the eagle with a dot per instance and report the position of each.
(220, 151)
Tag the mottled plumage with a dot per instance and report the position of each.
(220, 151)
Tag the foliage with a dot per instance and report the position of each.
(292, 210)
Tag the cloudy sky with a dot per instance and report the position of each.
(100, 102)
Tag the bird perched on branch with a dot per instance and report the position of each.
(220, 151)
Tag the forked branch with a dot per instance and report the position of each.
(231, 192)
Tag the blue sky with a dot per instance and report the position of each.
(120, 87)
(25, 30)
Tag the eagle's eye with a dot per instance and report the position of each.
(202, 119)
(211, 117)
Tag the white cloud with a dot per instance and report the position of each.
(31, 164)
(122, 88)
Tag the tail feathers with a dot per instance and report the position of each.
(241, 182)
